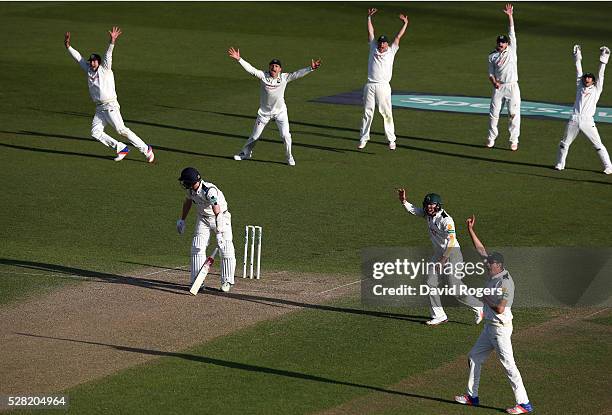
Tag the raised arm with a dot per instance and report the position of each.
(603, 59)
(107, 61)
(371, 12)
(314, 65)
(509, 10)
(74, 53)
(401, 32)
(477, 244)
(578, 61)
(235, 54)
(416, 211)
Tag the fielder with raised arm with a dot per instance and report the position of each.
(503, 74)
(212, 216)
(378, 88)
(101, 83)
(497, 331)
(446, 250)
(271, 101)
(588, 91)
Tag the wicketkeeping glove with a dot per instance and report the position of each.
(605, 54)
(577, 53)
(180, 226)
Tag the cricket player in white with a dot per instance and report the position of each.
(271, 102)
(588, 91)
(212, 215)
(446, 250)
(378, 89)
(101, 83)
(503, 74)
(497, 331)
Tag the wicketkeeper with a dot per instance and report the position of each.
(212, 217)
(588, 91)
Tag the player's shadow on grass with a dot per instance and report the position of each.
(78, 138)
(566, 178)
(66, 272)
(228, 364)
(208, 132)
(272, 301)
(399, 145)
(66, 153)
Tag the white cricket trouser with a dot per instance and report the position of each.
(199, 243)
(587, 126)
(511, 94)
(498, 338)
(282, 123)
(433, 280)
(377, 93)
(110, 114)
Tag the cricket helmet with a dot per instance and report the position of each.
(189, 176)
(432, 199)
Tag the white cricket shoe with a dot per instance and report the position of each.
(490, 143)
(437, 321)
(522, 408)
(479, 316)
(362, 144)
(291, 161)
(392, 145)
(608, 170)
(150, 155)
(514, 146)
(121, 154)
(225, 287)
(467, 400)
(559, 167)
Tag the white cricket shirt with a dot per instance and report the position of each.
(587, 97)
(504, 282)
(380, 65)
(503, 65)
(205, 197)
(441, 229)
(272, 94)
(101, 82)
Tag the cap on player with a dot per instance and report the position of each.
(495, 257)
(383, 39)
(502, 39)
(189, 176)
(276, 62)
(94, 57)
(588, 75)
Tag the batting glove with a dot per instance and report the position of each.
(180, 226)
(577, 53)
(605, 54)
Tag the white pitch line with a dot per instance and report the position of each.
(597, 312)
(341, 286)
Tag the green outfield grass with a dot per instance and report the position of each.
(70, 210)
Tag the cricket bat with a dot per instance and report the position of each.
(203, 273)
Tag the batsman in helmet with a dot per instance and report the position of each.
(213, 216)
